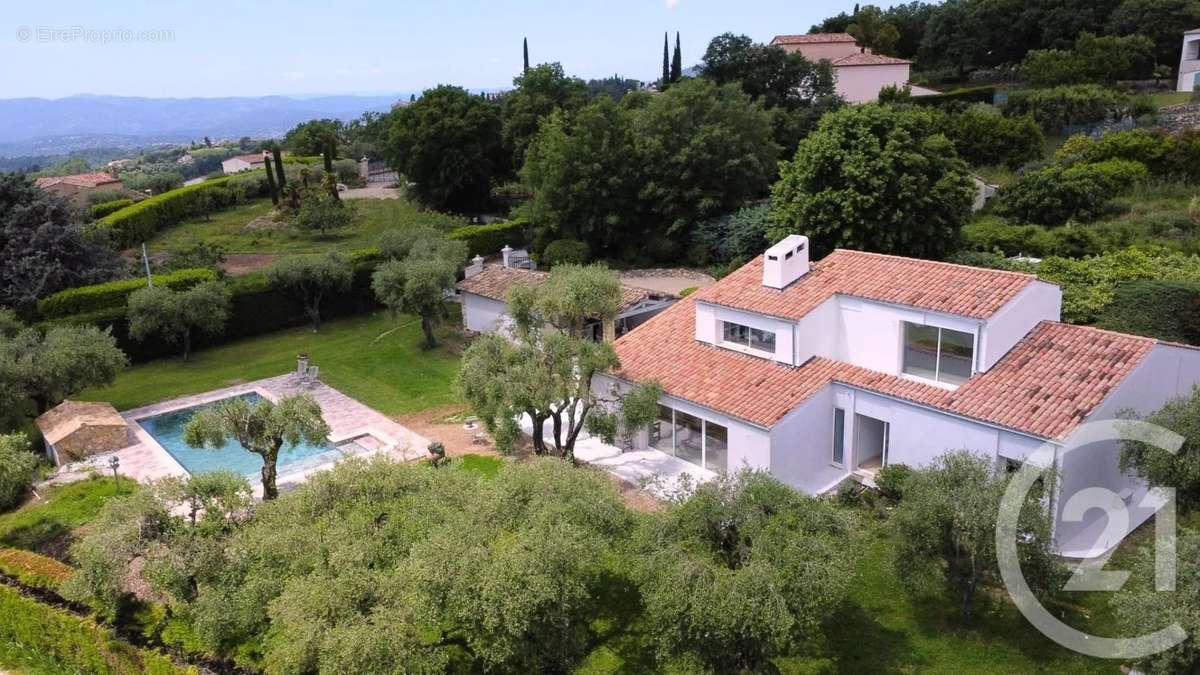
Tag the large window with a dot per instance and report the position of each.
(754, 338)
(690, 438)
(938, 354)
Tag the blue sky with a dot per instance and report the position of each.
(354, 46)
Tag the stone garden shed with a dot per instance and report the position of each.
(76, 430)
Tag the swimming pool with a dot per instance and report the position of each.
(167, 429)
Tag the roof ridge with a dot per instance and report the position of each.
(943, 263)
(1115, 333)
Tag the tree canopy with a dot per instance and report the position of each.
(875, 178)
(537, 92)
(176, 315)
(45, 367)
(313, 137)
(310, 279)
(421, 270)
(1158, 467)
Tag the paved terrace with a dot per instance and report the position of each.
(144, 460)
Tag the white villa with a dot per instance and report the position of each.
(1189, 62)
(827, 371)
(240, 163)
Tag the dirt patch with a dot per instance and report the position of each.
(237, 264)
(447, 424)
(672, 281)
(371, 192)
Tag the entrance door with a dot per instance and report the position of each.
(870, 442)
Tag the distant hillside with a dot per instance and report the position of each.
(38, 126)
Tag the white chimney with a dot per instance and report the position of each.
(785, 262)
(506, 253)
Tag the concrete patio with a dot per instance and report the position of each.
(145, 460)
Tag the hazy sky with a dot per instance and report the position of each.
(54, 48)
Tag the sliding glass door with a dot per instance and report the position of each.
(690, 438)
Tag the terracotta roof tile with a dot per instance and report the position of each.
(954, 289)
(812, 39)
(494, 282)
(1046, 385)
(869, 60)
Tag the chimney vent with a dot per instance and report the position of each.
(785, 262)
(506, 255)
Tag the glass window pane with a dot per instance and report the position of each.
(920, 350)
(958, 353)
(688, 438)
(761, 339)
(716, 446)
(839, 435)
(660, 431)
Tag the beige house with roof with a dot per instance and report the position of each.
(860, 73)
(75, 430)
(77, 187)
(827, 371)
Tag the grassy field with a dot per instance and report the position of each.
(228, 229)
(45, 526)
(376, 359)
(1171, 98)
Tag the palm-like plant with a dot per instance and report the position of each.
(261, 427)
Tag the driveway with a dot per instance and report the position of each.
(371, 192)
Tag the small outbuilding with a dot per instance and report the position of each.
(75, 430)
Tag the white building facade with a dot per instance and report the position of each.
(824, 372)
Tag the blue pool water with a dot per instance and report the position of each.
(167, 429)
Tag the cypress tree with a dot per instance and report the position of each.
(279, 174)
(525, 45)
(677, 61)
(328, 151)
(666, 76)
(412, 98)
(271, 188)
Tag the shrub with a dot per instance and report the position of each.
(1055, 194)
(1166, 155)
(137, 223)
(891, 480)
(1093, 59)
(958, 97)
(97, 297)
(566, 252)
(1063, 106)
(742, 234)
(489, 239)
(983, 136)
(32, 569)
(78, 645)
(102, 209)
(1166, 310)
(17, 464)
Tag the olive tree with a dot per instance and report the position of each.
(261, 427)
(545, 369)
(416, 286)
(177, 315)
(309, 279)
(741, 571)
(947, 530)
(46, 367)
(17, 463)
(1179, 470)
(1140, 607)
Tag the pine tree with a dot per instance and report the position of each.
(279, 174)
(412, 98)
(525, 45)
(666, 76)
(677, 62)
(271, 187)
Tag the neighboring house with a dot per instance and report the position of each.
(239, 163)
(77, 187)
(824, 372)
(1189, 61)
(75, 430)
(983, 192)
(860, 74)
(485, 301)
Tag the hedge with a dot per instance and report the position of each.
(1060, 107)
(33, 570)
(137, 223)
(255, 309)
(75, 643)
(1166, 310)
(114, 294)
(958, 97)
(102, 209)
(489, 239)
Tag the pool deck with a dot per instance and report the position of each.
(145, 460)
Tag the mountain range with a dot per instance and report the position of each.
(38, 126)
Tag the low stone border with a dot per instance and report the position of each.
(678, 272)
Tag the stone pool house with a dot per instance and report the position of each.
(484, 294)
(75, 430)
(827, 371)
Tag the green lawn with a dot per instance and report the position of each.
(228, 229)
(376, 359)
(45, 526)
(1171, 98)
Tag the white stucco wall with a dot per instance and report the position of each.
(1039, 301)
(234, 165)
(483, 315)
(861, 84)
(709, 329)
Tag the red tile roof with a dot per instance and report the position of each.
(87, 180)
(812, 39)
(494, 282)
(973, 292)
(251, 158)
(869, 60)
(1046, 385)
